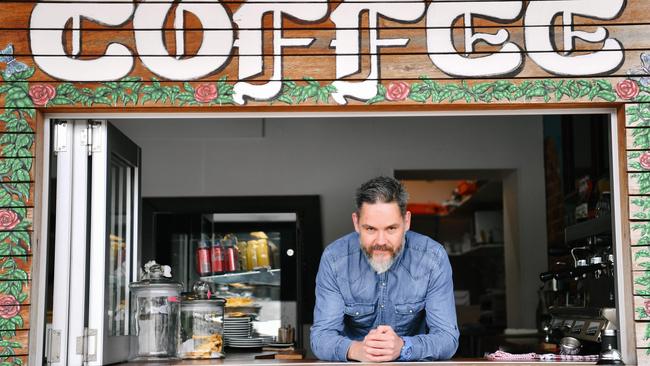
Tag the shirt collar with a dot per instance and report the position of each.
(399, 257)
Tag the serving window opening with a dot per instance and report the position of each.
(523, 205)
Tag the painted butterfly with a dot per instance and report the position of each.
(13, 66)
(642, 74)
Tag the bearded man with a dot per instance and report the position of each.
(384, 293)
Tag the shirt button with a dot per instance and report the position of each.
(382, 305)
(383, 283)
(357, 313)
(410, 311)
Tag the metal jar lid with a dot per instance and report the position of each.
(609, 332)
(156, 284)
(214, 304)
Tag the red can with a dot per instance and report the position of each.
(217, 258)
(203, 260)
(231, 259)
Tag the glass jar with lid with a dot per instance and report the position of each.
(202, 324)
(155, 314)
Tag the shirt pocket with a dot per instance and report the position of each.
(408, 317)
(360, 315)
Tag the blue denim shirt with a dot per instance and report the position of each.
(415, 297)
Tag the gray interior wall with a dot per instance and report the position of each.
(332, 156)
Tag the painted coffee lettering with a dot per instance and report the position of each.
(249, 19)
(440, 17)
(538, 19)
(48, 22)
(47, 44)
(212, 54)
(347, 16)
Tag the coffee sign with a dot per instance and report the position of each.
(223, 33)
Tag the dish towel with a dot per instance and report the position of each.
(505, 356)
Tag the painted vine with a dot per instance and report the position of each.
(21, 97)
(642, 254)
(644, 282)
(15, 180)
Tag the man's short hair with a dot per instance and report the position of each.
(382, 189)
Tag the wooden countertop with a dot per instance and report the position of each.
(460, 362)
(306, 362)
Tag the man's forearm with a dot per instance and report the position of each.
(439, 345)
(330, 346)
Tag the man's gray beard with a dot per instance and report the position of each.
(383, 266)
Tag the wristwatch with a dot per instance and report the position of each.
(407, 349)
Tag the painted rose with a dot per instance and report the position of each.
(41, 93)
(646, 305)
(8, 219)
(397, 90)
(627, 89)
(205, 93)
(9, 306)
(644, 160)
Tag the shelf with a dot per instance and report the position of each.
(478, 248)
(488, 197)
(262, 276)
(599, 225)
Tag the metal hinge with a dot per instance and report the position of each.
(60, 136)
(91, 136)
(87, 345)
(53, 346)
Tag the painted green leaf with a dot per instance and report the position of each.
(481, 87)
(5, 343)
(21, 236)
(644, 253)
(641, 138)
(643, 182)
(13, 288)
(642, 281)
(607, 95)
(17, 321)
(604, 84)
(419, 97)
(20, 175)
(24, 140)
(21, 163)
(380, 96)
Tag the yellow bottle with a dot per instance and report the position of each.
(243, 255)
(263, 253)
(251, 253)
(274, 253)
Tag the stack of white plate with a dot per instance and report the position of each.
(252, 342)
(237, 328)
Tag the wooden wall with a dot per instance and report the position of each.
(407, 79)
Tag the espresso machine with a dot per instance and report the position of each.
(577, 298)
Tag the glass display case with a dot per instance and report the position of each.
(246, 255)
(257, 261)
